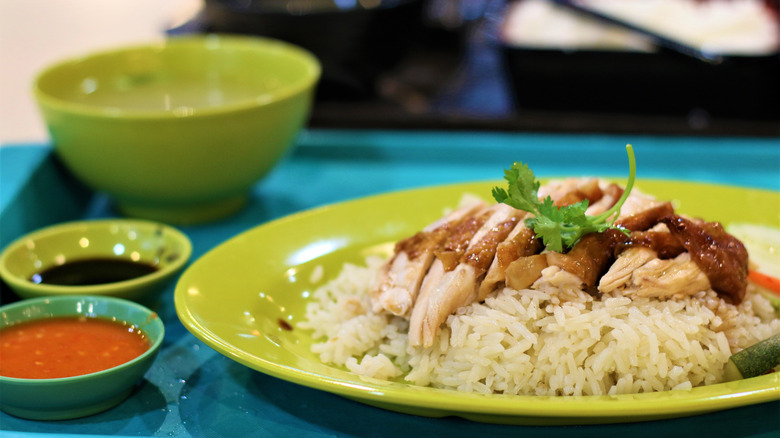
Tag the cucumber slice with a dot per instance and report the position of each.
(763, 245)
(754, 360)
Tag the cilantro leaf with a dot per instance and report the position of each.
(522, 190)
(558, 227)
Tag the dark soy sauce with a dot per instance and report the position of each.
(93, 271)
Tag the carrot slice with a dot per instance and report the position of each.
(766, 281)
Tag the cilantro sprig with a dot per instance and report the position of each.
(558, 227)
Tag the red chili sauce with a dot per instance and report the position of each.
(67, 346)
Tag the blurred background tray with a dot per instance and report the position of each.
(435, 64)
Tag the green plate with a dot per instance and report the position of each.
(242, 297)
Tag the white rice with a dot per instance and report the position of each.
(552, 339)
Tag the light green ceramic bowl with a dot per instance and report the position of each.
(178, 130)
(71, 397)
(157, 244)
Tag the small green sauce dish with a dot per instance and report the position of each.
(78, 396)
(146, 256)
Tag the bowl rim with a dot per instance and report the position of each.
(151, 316)
(104, 289)
(208, 41)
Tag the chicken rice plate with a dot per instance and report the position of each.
(478, 301)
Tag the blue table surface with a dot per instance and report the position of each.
(194, 391)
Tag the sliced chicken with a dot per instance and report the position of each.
(518, 263)
(611, 195)
(684, 257)
(471, 252)
(399, 279)
(659, 278)
(448, 289)
(590, 258)
(583, 190)
(636, 203)
(721, 256)
(448, 285)
(665, 245)
(446, 260)
(520, 243)
(646, 218)
(524, 271)
(560, 189)
(619, 274)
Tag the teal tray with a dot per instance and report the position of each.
(194, 391)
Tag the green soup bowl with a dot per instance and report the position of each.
(87, 394)
(133, 259)
(178, 130)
